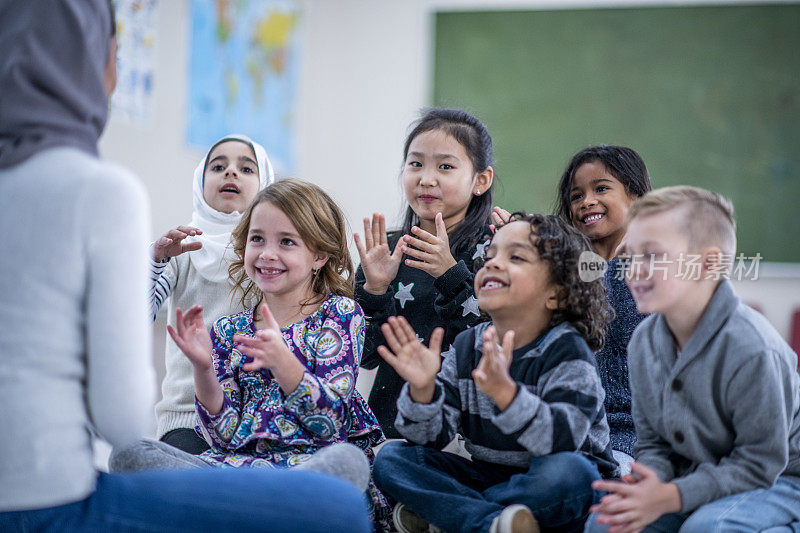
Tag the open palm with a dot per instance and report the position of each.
(171, 243)
(380, 265)
(191, 336)
(410, 358)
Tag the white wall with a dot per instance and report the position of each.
(363, 80)
(365, 74)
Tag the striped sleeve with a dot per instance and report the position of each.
(561, 416)
(436, 423)
(162, 281)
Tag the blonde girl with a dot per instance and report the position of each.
(275, 384)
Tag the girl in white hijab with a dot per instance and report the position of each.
(225, 182)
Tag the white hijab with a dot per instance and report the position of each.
(213, 259)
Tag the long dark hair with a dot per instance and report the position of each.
(474, 137)
(621, 162)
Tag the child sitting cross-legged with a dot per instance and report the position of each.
(275, 384)
(716, 398)
(523, 390)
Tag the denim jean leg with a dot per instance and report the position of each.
(556, 487)
(668, 523)
(443, 488)
(205, 499)
(757, 510)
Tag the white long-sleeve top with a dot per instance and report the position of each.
(75, 339)
(181, 285)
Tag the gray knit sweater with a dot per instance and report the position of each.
(724, 416)
(558, 407)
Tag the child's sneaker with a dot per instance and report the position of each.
(515, 518)
(407, 521)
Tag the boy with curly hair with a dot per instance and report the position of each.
(523, 390)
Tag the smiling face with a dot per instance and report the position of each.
(275, 256)
(514, 279)
(656, 250)
(438, 177)
(231, 180)
(599, 203)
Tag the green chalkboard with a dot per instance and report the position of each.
(709, 96)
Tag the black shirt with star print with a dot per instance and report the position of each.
(427, 303)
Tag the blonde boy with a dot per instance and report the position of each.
(715, 391)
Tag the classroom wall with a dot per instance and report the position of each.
(353, 107)
(366, 71)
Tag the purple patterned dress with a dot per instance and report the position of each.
(260, 426)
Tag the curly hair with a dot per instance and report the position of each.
(320, 223)
(581, 303)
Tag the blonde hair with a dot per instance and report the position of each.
(321, 225)
(706, 218)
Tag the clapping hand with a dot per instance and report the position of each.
(492, 373)
(414, 362)
(379, 264)
(266, 347)
(431, 253)
(171, 243)
(191, 336)
(500, 217)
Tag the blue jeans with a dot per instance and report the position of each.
(213, 499)
(456, 494)
(773, 510)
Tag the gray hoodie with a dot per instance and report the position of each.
(724, 417)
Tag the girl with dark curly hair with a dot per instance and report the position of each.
(523, 390)
(595, 193)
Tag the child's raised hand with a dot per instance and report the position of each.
(500, 217)
(432, 252)
(192, 337)
(379, 264)
(267, 347)
(637, 501)
(171, 243)
(621, 247)
(491, 375)
(414, 362)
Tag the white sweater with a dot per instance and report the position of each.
(179, 281)
(74, 335)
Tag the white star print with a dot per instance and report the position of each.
(480, 250)
(404, 293)
(470, 306)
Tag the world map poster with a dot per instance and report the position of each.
(243, 72)
(132, 100)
